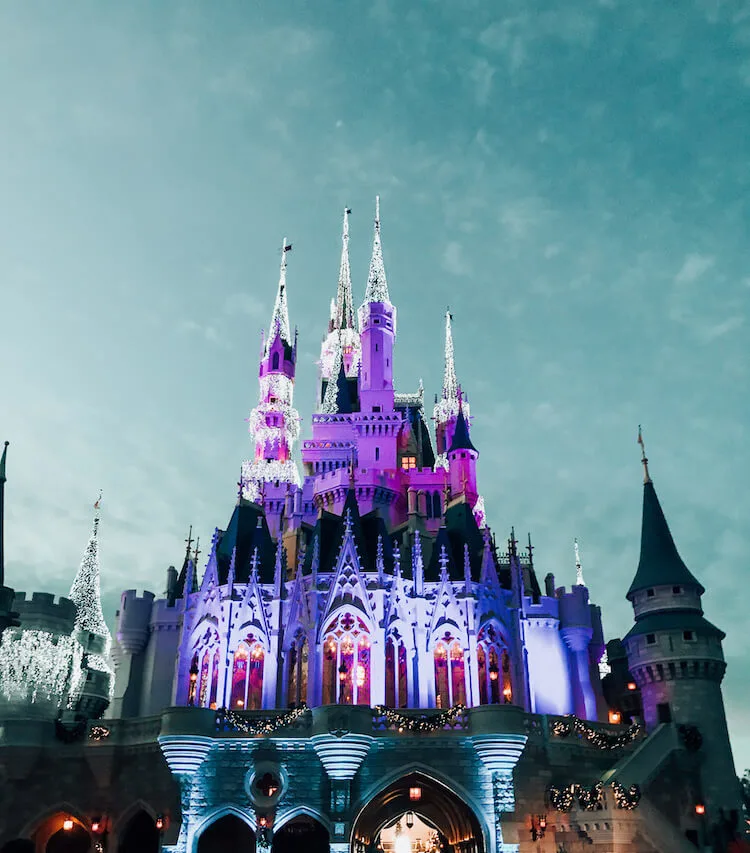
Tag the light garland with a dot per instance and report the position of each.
(480, 515)
(264, 432)
(420, 723)
(351, 345)
(263, 726)
(99, 733)
(377, 285)
(267, 471)
(592, 798)
(276, 385)
(329, 405)
(280, 317)
(598, 738)
(86, 590)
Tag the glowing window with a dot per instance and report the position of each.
(408, 462)
(346, 662)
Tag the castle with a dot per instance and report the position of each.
(360, 667)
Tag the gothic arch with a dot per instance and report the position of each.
(299, 811)
(43, 825)
(217, 814)
(445, 790)
(131, 811)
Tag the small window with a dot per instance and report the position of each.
(376, 321)
(664, 712)
(650, 639)
(688, 635)
(676, 590)
(377, 347)
(377, 454)
(376, 409)
(275, 361)
(650, 593)
(408, 462)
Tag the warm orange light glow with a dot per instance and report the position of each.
(95, 826)
(632, 685)
(67, 824)
(415, 794)
(193, 677)
(360, 675)
(700, 808)
(240, 703)
(614, 717)
(507, 693)
(159, 822)
(263, 821)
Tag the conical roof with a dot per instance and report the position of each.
(461, 439)
(660, 564)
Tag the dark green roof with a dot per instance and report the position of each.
(659, 564)
(674, 620)
(461, 440)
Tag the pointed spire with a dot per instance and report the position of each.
(467, 568)
(85, 592)
(579, 569)
(3, 479)
(279, 575)
(461, 439)
(280, 317)
(396, 559)
(380, 561)
(450, 382)
(377, 286)
(443, 559)
(342, 314)
(330, 401)
(193, 568)
(232, 573)
(254, 561)
(644, 460)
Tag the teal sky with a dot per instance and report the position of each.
(571, 178)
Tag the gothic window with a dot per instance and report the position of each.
(203, 691)
(239, 677)
(442, 693)
(193, 680)
(275, 361)
(396, 682)
(458, 676)
(346, 662)
(408, 463)
(436, 507)
(214, 680)
(297, 662)
(247, 675)
(493, 668)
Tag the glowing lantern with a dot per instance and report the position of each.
(614, 717)
(67, 824)
(159, 822)
(632, 685)
(415, 794)
(700, 808)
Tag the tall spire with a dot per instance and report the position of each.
(644, 460)
(344, 316)
(86, 590)
(2, 513)
(450, 382)
(377, 286)
(579, 569)
(280, 317)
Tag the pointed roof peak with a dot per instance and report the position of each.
(3, 458)
(644, 460)
(85, 592)
(450, 381)
(461, 439)
(342, 311)
(579, 568)
(377, 285)
(280, 317)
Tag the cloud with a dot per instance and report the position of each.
(693, 267)
(718, 330)
(454, 261)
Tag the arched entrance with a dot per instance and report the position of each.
(73, 840)
(303, 833)
(140, 835)
(228, 833)
(439, 815)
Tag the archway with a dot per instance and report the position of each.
(301, 833)
(228, 833)
(73, 840)
(140, 835)
(19, 845)
(430, 805)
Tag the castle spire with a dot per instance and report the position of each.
(450, 382)
(86, 590)
(343, 318)
(280, 317)
(644, 460)
(579, 569)
(377, 286)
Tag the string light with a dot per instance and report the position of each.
(598, 738)
(263, 726)
(38, 666)
(420, 723)
(626, 798)
(99, 733)
(590, 798)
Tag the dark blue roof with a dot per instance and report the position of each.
(461, 440)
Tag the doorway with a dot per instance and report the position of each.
(228, 833)
(303, 833)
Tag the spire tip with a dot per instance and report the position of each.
(644, 459)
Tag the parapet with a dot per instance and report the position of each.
(43, 612)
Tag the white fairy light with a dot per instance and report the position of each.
(280, 317)
(86, 590)
(447, 406)
(330, 405)
(377, 285)
(38, 666)
(479, 512)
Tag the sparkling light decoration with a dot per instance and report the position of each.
(99, 733)
(479, 513)
(38, 666)
(590, 798)
(351, 347)
(86, 590)
(579, 569)
(419, 723)
(377, 286)
(626, 798)
(598, 738)
(228, 720)
(329, 405)
(280, 316)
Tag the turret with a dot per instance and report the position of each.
(675, 654)
(377, 322)
(274, 422)
(8, 618)
(462, 461)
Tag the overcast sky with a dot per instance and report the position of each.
(571, 178)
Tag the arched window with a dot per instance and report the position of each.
(247, 675)
(396, 682)
(493, 668)
(437, 509)
(205, 668)
(193, 680)
(450, 675)
(275, 361)
(214, 680)
(346, 662)
(297, 672)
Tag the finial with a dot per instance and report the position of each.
(579, 570)
(240, 489)
(197, 551)
(189, 541)
(512, 542)
(97, 508)
(644, 460)
(451, 390)
(530, 551)
(3, 478)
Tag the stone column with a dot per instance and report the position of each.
(184, 756)
(500, 754)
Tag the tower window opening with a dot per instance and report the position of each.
(688, 635)
(377, 347)
(408, 463)
(275, 361)
(650, 639)
(676, 590)
(650, 593)
(376, 408)
(377, 454)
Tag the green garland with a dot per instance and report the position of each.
(264, 726)
(590, 799)
(98, 732)
(421, 723)
(598, 738)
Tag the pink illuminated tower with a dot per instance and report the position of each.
(274, 422)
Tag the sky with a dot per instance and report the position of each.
(570, 178)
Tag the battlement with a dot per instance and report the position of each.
(133, 620)
(45, 612)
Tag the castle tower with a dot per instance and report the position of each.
(8, 618)
(342, 332)
(462, 461)
(446, 408)
(274, 422)
(377, 322)
(91, 630)
(675, 654)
